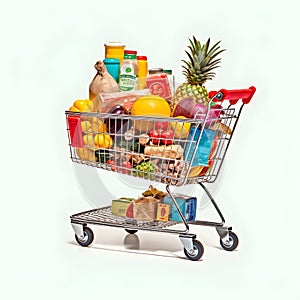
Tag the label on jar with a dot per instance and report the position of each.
(127, 82)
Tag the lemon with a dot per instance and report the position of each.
(80, 104)
(103, 140)
(99, 126)
(73, 108)
(181, 129)
(86, 126)
(86, 154)
(88, 139)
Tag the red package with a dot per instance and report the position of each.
(159, 85)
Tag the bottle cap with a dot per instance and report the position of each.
(130, 52)
(141, 57)
(114, 44)
(155, 70)
(111, 61)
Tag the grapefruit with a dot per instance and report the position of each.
(152, 106)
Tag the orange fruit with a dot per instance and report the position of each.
(80, 104)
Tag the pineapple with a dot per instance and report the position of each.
(197, 71)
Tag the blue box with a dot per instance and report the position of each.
(187, 205)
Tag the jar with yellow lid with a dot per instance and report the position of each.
(114, 50)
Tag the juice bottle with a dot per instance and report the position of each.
(143, 71)
(129, 71)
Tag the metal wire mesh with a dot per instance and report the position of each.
(130, 145)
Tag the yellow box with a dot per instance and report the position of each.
(119, 207)
(163, 212)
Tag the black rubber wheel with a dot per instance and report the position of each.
(87, 239)
(232, 244)
(197, 253)
(131, 231)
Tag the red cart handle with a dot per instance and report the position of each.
(233, 95)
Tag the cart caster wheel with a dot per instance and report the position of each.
(131, 231)
(232, 242)
(197, 251)
(87, 239)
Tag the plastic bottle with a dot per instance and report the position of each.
(143, 71)
(129, 71)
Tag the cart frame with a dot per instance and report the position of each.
(193, 249)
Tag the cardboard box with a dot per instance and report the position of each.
(119, 206)
(187, 206)
(163, 212)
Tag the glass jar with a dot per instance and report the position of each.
(114, 50)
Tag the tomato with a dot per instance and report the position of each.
(162, 137)
(161, 125)
(155, 137)
(167, 137)
(127, 166)
(112, 164)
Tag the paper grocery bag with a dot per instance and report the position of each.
(145, 208)
(103, 82)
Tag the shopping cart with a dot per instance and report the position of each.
(174, 160)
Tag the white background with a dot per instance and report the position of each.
(48, 50)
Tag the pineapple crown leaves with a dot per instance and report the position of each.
(202, 60)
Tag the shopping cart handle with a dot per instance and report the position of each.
(233, 95)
